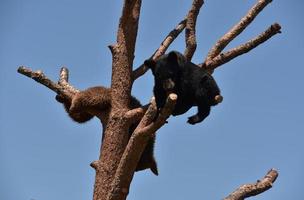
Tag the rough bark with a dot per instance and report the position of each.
(116, 131)
(190, 34)
(136, 145)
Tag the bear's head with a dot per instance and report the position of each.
(166, 69)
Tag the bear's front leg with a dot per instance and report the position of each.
(160, 99)
(203, 112)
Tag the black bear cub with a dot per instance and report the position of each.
(193, 85)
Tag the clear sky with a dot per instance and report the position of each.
(259, 125)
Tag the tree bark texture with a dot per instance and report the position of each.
(116, 130)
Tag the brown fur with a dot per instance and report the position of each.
(99, 98)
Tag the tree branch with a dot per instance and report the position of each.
(63, 90)
(123, 54)
(161, 120)
(143, 132)
(236, 30)
(136, 114)
(116, 134)
(190, 35)
(190, 38)
(142, 69)
(254, 189)
(243, 48)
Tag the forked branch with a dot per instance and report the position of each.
(123, 54)
(62, 88)
(65, 92)
(254, 189)
(190, 22)
(243, 48)
(142, 69)
(237, 29)
(125, 171)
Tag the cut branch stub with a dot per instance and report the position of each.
(136, 114)
(64, 81)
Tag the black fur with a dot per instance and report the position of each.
(193, 85)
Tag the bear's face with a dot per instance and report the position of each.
(193, 85)
(165, 70)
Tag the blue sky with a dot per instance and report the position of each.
(46, 156)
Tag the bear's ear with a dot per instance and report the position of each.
(173, 57)
(150, 63)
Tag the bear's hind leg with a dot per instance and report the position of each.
(203, 112)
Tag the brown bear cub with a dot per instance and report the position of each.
(99, 98)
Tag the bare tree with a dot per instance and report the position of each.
(120, 154)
